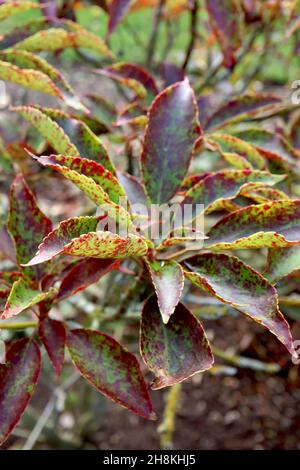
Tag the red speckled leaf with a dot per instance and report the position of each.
(23, 295)
(282, 262)
(240, 109)
(226, 20)
(176, 351)
(83, 274)
(52, 334)
(172, 131)
(226, 185)
(230, 144)
(78, 237)
(233, 282)
(133, 76)
(88, 168)
(168, 281)
(14, 7)
(27, 224)
(117, 10)
(18, 380)
(271, 225)
(111, 369)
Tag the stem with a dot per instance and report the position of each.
(17, 325)
(246, 362)
(167, 427)
(191, 45)
(154, 33)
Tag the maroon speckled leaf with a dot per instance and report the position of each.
(168, 281)
(176, 351)
(233, 282)
(18, 378)
(83, 274)
(226, 20)
(117, 10)
(240, 109)
(27, 224)
(52, 334)
(172, 131)
(111, 369)
(78, 237)
(274, 224)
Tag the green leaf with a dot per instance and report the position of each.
(228, 143)
(233, 282)
(111, 369)
(90, 169)
(176, 351)
(226, 185)
(172, 131)
(54, 39)
(27, 224)
(19, 377)
(13, 8)
(271, 225)
(78, 237)
(24, 295)
(168, 281)
(282, 262)
(88, 185)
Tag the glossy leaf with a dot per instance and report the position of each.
(19, 377)
(233, 282)
(213, 190)
(54, 39)
(269, 225)
(172, 131)
(176, 351)
(78, 237)
(111, 369)
(88, 168)
(52, 334)
(168, 281)
(240, 109)
(84, 274)
(132, 76)
(24, 295)
(117, 10)
(282, 262)
(27, 224)
(225, 18)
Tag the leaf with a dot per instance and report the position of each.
(240, 109)
(24, 60)
(88, 168)
(282, 262)
(233, 282)
(84, 274)
(88, 185)
(117, 9)
(55, 39)
(229, 143)
(133, 188)
(49, 129)
(176, 351)
(67, 135)
(132, 76)
(225, 18)
(226, 185)
(52, 334)
(271, 225)
(24, 295)
(27, 224)
(13, 8)
(78, 237)
(172, 131)
(111, 369)
(29, 78)
(19, 377)
(168, 281)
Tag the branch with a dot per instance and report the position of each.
(191, 45)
